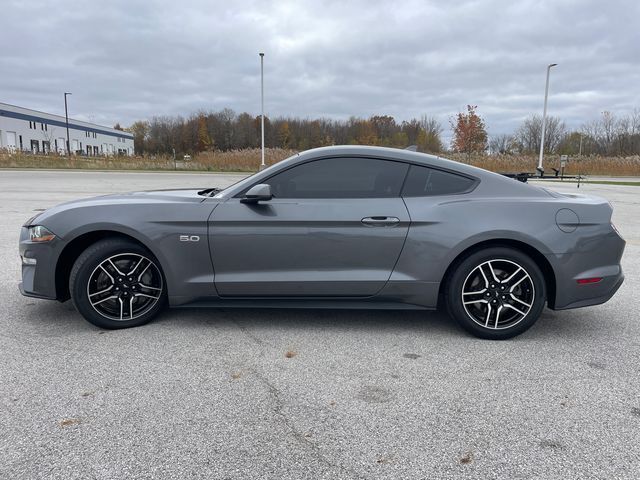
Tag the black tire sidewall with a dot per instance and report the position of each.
(464, 268)
(84, 267)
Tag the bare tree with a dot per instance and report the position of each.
(612, 135)
(634, 131)
(527, 136)
(429, 139)
(140, 132)
(608, 122)
(48, 134)
(501, 144)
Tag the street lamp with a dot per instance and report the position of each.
(262, 165)
(544, 119)
(66, 116)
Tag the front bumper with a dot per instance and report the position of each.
(38, 279)
(33, 294)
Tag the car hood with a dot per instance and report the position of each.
(151, 197)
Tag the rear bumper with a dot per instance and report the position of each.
(602, 261)
(594, 294)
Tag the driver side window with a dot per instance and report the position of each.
(346, 177)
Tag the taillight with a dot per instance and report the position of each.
(587, 281)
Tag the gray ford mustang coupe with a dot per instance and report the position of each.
(335, 227)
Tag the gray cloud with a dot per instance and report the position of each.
(129, 60)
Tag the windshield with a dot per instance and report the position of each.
(247, 180)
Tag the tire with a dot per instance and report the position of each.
(496, 310)
(116, 283)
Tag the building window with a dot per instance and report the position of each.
(21, 148)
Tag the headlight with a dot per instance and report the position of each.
(40, 234)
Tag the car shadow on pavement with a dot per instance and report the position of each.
(315, 319)
(63, 317)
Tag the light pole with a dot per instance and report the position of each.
(66, 116)
(262, 165)
(544, 119)
(580, 150)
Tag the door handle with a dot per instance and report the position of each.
(381, 221)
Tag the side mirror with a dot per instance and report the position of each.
(257, 193)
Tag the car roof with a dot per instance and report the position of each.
(381, 152)
(396, 154)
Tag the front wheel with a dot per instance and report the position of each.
(496, 293)
(116, 283)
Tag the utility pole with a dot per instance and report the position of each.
(66, 116)
(262, 164)
(544, 119)
(580, 150)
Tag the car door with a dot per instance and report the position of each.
(335, 227)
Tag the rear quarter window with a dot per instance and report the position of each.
(426, 182)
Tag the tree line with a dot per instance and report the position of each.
(225, 130)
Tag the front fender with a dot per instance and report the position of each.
(159, 227)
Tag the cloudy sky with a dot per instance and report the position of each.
(130, 60)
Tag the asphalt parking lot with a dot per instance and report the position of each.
(309, 394)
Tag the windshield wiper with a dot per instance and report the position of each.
(210, 192)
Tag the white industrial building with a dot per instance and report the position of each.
(22, 129)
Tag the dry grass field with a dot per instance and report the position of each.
(591, 165)
(248, 160)
(231, 161)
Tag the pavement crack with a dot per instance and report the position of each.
(249, 334)
(278, 409)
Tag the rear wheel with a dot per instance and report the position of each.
(116, 283)
(496, 293)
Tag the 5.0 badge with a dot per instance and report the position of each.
(189, 238)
